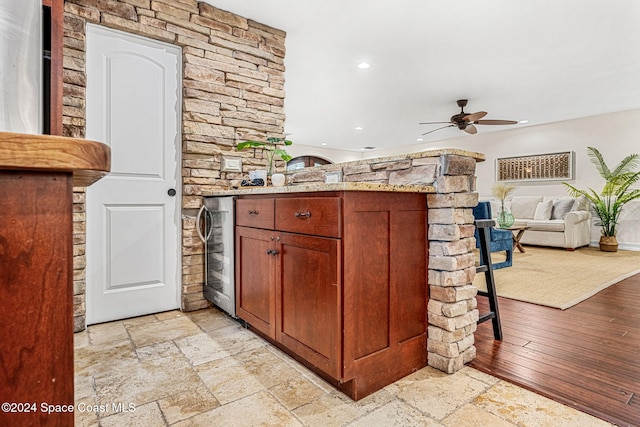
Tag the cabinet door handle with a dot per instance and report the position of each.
(252, 212)
(275, 252)
(269, 251)
(303, 215)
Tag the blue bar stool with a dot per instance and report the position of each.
(500, 240)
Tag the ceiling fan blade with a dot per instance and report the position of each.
(475, 116)
(471, 129)
(431, 131)
(495, 122)
(432, 123)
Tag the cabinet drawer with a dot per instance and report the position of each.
(256, 213)
(309, 215)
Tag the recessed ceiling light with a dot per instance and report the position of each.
(324, 143)
(363, 65)
(523, 121)
(358, 128)
(420, 139)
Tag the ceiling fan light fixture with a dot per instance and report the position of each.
(466, 121)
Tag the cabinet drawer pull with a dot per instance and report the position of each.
(306, 214)
(256, 212)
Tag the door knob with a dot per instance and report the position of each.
(171, 192)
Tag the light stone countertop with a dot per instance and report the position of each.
(478, 157)
(316, 187)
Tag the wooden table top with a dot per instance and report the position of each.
(88, 161)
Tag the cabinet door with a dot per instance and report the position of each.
(309, 299)
(255, 278)
(385, 285)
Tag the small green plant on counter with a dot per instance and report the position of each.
(273, 148)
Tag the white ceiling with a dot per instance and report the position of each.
(542, 61)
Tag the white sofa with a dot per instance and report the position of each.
(561, 222)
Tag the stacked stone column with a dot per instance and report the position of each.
(233, 90)
(452, 309)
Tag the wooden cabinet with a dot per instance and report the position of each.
(339, 281)
(308, 304)
(36, 270)
(289, 283)
(258, 213)
(255, 299)
(309, 215)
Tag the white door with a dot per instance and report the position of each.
(133, 223)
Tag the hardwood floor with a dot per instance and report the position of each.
(587, 356)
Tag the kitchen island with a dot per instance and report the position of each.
(338, 275)
(338, 279)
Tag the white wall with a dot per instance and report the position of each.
(615, 135)
(335, 156)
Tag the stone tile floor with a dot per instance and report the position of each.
(204, 369)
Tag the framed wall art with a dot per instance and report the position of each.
(539, 167)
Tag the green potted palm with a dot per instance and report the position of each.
(272, 146)
(616, 193)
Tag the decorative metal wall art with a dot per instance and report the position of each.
(540, 167)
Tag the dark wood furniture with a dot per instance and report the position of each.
(53, 29)
(338, 280)
(36, 271)
(518, 232)
(483, 227)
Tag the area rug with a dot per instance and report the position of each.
(559, 278)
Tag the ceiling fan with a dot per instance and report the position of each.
(466, 122)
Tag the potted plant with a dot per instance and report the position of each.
(501, 191)
(273, 148)
(615, 194)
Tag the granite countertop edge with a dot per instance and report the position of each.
(318, 187)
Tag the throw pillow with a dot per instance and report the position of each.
(543, 210)
(561, 208)
(524, 207)
(581, 204)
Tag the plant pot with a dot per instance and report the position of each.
(278, 179)
(608, 244)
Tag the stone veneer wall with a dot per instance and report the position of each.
(233, 89)
(452, 308)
